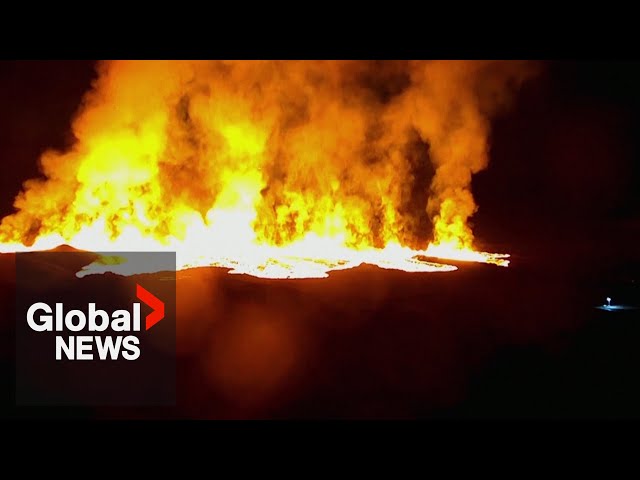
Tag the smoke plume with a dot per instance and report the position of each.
(369, 152)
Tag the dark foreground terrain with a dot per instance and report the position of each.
(523, 341)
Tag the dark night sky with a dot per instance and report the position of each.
(38, 100)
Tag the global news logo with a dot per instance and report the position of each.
(123, 328)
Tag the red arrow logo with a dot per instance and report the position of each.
(154, 302)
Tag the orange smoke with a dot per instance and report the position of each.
(274, 168)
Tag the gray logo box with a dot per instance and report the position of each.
(63, 360)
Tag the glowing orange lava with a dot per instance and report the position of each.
(286, 169)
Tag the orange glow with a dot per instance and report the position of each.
(275, 169)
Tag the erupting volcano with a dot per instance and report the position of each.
(279, 169)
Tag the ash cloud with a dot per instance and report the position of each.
(375, 151)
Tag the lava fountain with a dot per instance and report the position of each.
(277, 169)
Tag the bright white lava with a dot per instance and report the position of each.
(310, 257)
